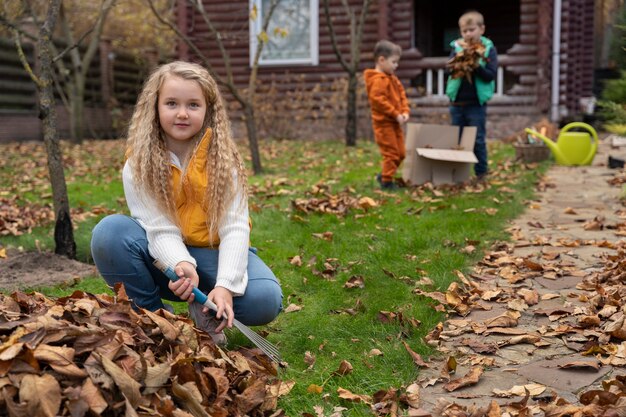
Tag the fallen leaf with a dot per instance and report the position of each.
(470, 378)
(417, 359)
(356, 398)
(41, 394)
(292, 307)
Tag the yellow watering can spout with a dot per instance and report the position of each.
(558, 155)
(572, 148)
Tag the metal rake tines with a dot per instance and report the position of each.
(266, 347)
(259, 341)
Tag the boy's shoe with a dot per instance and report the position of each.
(379, 178)
(388, 185)
(482, 177)
(206, 322)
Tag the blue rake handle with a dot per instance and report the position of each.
(269, 349)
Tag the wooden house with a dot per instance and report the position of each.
(530, 49)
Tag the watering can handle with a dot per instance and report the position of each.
(584, 126)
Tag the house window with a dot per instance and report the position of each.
(292, 34)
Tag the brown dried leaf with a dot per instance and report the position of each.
(169, 331)
(417, 359)
(345, 368)
(296, 260)
(188, 400)
(470, 378)
(355, 281)
(356, 398)
(592, 364)
(292, 307)
(128, 386)
(41, 394)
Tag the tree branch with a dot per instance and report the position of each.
(95, 40)
(4, 21)
(69, 48)
(259, 47)
(24, 61)
(199, 5)
(333, 38)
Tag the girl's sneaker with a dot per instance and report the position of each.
(206, 322)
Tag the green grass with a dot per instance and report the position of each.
(389, 246)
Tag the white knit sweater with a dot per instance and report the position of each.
(165, 241)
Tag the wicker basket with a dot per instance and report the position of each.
(527, 152)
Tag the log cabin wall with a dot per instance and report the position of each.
(386, 19)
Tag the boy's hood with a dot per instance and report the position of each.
(370, 75)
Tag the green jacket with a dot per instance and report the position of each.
(484, 89)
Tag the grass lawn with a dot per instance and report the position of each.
(410, 235)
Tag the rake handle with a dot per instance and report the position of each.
(199, 296)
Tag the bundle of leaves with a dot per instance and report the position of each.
(463, 64)
(94, 355)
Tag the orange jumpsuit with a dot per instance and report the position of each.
(387, 100)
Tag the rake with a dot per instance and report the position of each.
(269, 349)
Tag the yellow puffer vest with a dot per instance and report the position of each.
(189, 197)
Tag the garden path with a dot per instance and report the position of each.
(573, 198)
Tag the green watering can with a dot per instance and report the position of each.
(572, 148)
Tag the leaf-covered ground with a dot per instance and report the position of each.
(350, 257)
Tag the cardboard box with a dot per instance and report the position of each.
(435, 154)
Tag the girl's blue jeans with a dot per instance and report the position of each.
(120, 250)
(473, 116)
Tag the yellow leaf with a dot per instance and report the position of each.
(314, 389)
(3, 253)
(254, 12)
(263, 37)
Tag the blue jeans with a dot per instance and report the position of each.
(120, 250)
(473, 116)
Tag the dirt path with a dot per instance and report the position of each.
(25, 270)
(531, 315)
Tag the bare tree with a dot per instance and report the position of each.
(244, 98)
(351, 66)
(43, 79)
(71, 79)
(75, 77)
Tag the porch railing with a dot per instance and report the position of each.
(434, 70)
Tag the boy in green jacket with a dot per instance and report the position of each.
(469, 94)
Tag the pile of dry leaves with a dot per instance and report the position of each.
(94, 355)
(325, 202)
(464, 62)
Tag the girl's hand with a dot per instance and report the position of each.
(223, 298)
(187, 279)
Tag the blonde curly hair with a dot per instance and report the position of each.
(150, 159)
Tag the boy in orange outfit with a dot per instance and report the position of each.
(390, 109)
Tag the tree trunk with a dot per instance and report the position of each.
(351, 114)
(63, 232)
(252, 139)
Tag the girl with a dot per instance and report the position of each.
(185, 186)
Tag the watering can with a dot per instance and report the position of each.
(572, 148)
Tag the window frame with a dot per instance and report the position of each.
(256, 27)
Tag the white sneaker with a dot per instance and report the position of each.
(206, 322)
